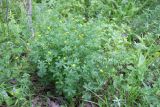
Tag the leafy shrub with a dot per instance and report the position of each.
(82, 53)
(83, 57)
(148, 21)
(116, 10)
(14, 77)
(69, 54)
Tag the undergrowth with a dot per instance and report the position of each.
(100, 51)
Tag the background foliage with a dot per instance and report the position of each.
(104, 51)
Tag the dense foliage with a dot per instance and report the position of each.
(106, 52)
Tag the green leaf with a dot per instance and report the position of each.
(142, 60)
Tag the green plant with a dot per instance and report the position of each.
(68, 54)
(104, 52)
(13, 58)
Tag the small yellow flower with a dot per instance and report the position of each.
(73, 65)
(101, 70)
(75, 30)
(64, 58)
(65, 42)
(49, 52)
(28, 44)
(49, 28)
(16, 57)
(81, 36)
(39, 35)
